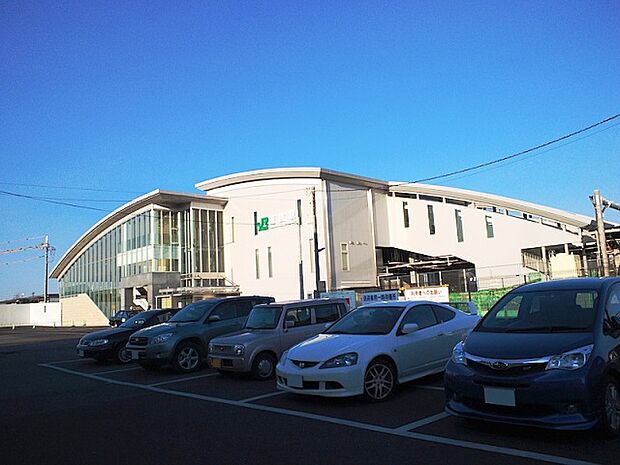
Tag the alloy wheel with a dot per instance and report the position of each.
(124, 356)
(265, 368)
(379, 381)
(188, 358)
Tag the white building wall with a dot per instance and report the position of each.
(38, 314)
(497, 256)
(276, 199)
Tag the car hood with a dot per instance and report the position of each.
(161, 328)
(245, 336)
(325, 346)
(109, 333)
(520, 345)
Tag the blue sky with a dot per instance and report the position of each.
(133, 96)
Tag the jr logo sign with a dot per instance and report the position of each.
(263, 224)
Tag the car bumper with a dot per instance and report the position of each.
(329, 382)
(105, 351)
(228, 363)
(158, 353)
(552, 399)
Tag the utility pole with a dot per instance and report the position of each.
(601, 240)
(301, 261)
(317, 271)
(46, 247)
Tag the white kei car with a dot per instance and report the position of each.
(374, 347)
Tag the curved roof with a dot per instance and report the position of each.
(158, 196)
(289, 173)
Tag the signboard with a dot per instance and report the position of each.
(434, 294)
(279, 219)
(348, 296)
(370, 297)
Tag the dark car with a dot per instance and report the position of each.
(122, 316)
(546, 354)
(110, 343)
(183, 341)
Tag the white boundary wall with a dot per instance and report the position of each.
(39, 314)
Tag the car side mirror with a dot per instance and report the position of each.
(213, 319)
(409, 328)
(288, 324)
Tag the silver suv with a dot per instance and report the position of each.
(182, 341)
(270, 330)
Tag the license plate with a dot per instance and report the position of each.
(216, 362)
(80, 353)
(135, 355)
(500, 396)
(295, 381)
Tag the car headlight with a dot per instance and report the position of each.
(571, 360)
(211, 347)
(99, 342)
(344, 360)
(161, 338)
(458, 354)
(239, 349)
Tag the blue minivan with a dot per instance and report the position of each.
(547, 354)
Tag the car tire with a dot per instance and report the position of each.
(188, 357)
(149, 366)
(609, 426)
(123, 356)
(379, 380)
(264, 366)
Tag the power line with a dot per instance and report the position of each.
(43, 199)
(91, 189)
(518, 154)
(25, 239)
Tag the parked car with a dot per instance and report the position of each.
(546, 354)
(122, 316)
(183, 341)
(373, 348)
(269, 330)
(110, 343)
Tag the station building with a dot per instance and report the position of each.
(254, 233)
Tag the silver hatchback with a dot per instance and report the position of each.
(270, 330)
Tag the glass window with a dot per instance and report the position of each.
(406, 214)
(344, 256)
(244, 307)
(312, 255)
(367, 321)
(546, 311)
(232, 229)
(422, 315)
(301, 316)
(431, 219)
(257, 263)
(256, 223)
(174, 228)
(459, 225)
(192, 312)
(226, 310)
(326, 313)
(264, 317)
(489, 222)
(269, 262)
(443, 314)
(613, 302)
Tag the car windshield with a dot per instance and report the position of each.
(263, 317)
(548, 311)
(137, 320)
(367, 320)
(192, 312)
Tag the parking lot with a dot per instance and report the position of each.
(57, 408)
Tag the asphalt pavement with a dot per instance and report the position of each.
(58, 409)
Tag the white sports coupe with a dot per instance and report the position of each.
(374, 347)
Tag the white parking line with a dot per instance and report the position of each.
(264, 396)
(339, 421)
(179, 380)
(73, 360)
(423, 422)
(117, 371)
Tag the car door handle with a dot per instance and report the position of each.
(441, 334)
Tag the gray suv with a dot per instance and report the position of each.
(182, 341)
(270, 330)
